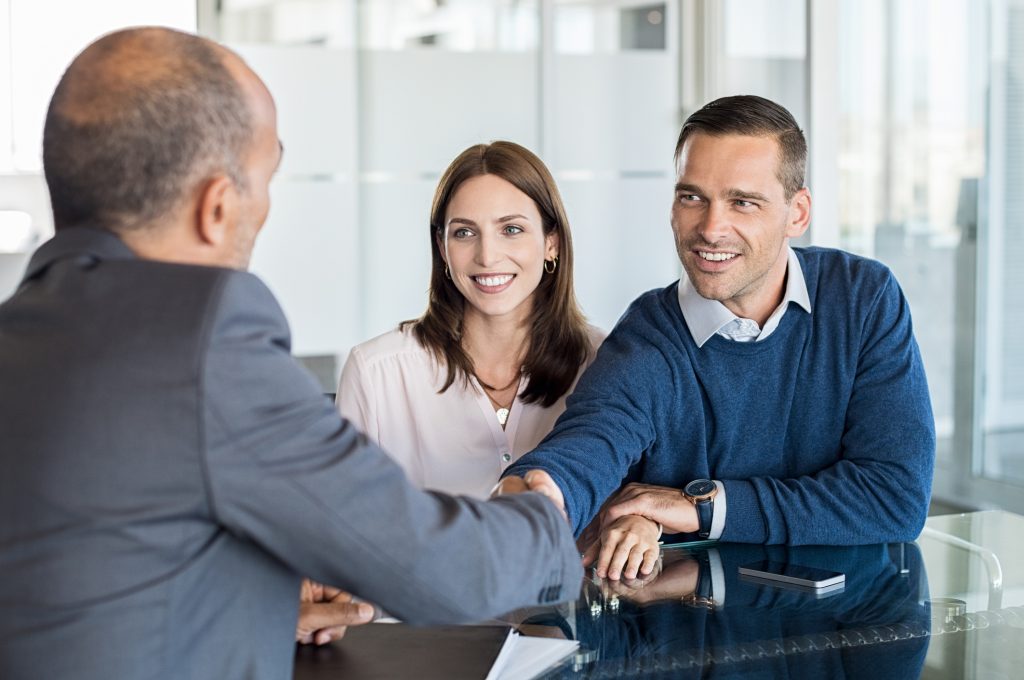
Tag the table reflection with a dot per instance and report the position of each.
(698, 617)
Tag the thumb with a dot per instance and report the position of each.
(541, 482)
(631, 506)
(317, 615)
(509, 485)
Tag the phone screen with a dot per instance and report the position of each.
(793, 574)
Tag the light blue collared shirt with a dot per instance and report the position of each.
(705, 318)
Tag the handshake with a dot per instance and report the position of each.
(622, 542)
(537, 481)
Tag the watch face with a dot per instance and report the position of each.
(699, 487)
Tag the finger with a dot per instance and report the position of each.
(620, 556)
(612, 542)
(318, 615)
(509, 485)
(326, 635)
(650, 560)
(311, 591)
(633, 562)
(609, 541)
(591, 553)
(637, 505)
(333, 594)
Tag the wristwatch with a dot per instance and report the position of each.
(703, 595)
(702, 492)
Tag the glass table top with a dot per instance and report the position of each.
(950, 605)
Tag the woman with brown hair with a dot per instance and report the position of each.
(477, 381)
(460, 393)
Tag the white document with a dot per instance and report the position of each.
(525, 657)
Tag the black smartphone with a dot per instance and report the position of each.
(793, 574)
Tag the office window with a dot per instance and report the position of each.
(592, 87)
(930, 155)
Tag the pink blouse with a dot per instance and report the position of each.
(449, 442)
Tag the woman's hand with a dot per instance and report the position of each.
(627, 546)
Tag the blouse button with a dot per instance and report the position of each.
(506, 456)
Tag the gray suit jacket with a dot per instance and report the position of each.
(167, 473)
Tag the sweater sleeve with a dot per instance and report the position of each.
(609, 421)
(878, 490)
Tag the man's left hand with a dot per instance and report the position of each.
(325, 613)
(666, 506)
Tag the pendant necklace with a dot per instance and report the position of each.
(501, 410)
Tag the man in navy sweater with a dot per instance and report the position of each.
(772, 395)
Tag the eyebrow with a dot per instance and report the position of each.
(506, 218)
(682, 187)
(747, 195)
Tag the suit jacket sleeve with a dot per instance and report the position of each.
(284, 471)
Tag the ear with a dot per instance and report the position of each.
(439, 240)
(551, 245)
(217, 211)
(799, 213)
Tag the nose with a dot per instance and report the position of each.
(488, 251)
(715, 224)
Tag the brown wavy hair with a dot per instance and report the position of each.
(558, 341)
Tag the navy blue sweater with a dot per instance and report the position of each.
(822, 433)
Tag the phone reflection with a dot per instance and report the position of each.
(697, 617)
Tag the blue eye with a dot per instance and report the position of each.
(689, 198)
(513, 229)
(462, 232)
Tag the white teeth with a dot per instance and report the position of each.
(716, 257)
(492, 281)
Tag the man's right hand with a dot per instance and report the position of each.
(534, 480)
(325, 613)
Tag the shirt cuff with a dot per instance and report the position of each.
(718, 512)
(717, 576)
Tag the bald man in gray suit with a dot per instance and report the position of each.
(167, 472)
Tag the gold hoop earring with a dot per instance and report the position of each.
(554, 265)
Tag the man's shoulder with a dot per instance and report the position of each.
(215, 293)
(652, 322)
(831, 271)
(821, 259)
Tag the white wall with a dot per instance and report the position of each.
(38, 39)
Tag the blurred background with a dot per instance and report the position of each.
(914, 112)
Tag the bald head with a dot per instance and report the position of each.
(139, 120)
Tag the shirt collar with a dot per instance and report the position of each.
(89, 242)
(706, 317)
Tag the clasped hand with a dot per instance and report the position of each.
(622, 541)
(676, 579)
(628, 527)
